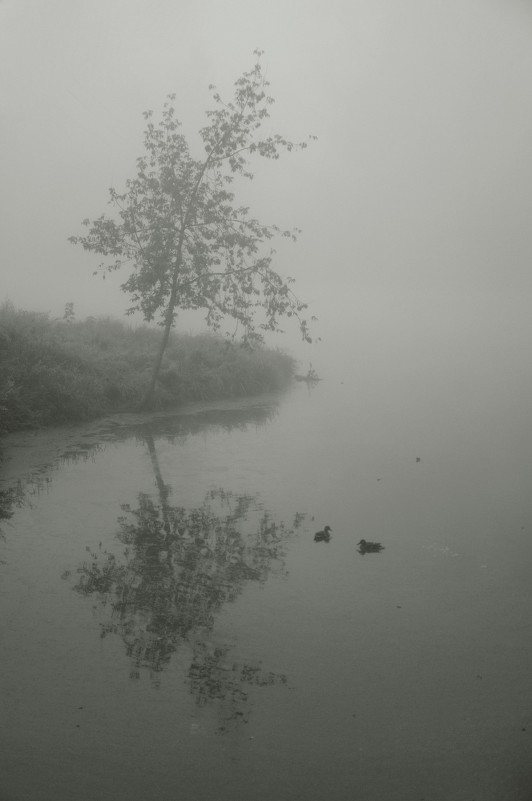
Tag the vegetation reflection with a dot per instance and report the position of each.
(10, 498)
(214, 677)
(177, 569)
(173, 427)
(161, 582)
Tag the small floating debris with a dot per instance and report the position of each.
(310, 377)
(323, 536)
(365, 547)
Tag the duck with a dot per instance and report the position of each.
(323, 536)
(369, 547)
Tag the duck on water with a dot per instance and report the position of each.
(323, 536)
(364, 546)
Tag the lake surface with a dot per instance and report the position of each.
(170, 629)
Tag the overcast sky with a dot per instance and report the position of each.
(420, 181)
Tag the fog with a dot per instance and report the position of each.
(414, 202)
(415, 208)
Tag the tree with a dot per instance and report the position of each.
(189, 245)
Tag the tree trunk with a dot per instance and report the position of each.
(164, 342)
(163, 488)
(173, 293)
(159, 358)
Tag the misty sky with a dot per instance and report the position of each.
(420, 181)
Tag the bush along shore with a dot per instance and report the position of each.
(60, 371)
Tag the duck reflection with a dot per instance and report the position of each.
(365, 547)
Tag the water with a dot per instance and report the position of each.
(170, 629)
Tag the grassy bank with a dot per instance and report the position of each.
(57, 371)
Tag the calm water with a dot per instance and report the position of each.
(171, 630)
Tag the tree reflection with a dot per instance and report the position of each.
(179, 567)
(176, 571)
(213, 677)
(161, 582)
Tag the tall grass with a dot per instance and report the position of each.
(56, 371)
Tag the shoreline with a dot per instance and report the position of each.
(61, 372)
(30, 452)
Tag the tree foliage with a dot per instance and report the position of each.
(178, 226)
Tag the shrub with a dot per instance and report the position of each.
(56, 371)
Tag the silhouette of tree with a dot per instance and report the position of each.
(178, 229)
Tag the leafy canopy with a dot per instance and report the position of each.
(177, 224)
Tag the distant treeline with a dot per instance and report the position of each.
(58, 371)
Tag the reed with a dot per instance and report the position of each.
(58, 371)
